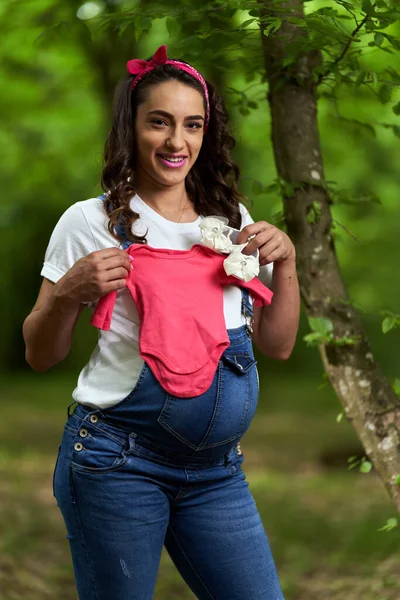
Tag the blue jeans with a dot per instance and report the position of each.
(158, 470)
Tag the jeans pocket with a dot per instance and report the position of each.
(94, 451)
(240, 363)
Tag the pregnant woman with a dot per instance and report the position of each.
(150, 454)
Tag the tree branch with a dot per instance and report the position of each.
(343, 52)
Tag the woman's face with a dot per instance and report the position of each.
(169, 133)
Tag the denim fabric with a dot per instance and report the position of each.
(157, 470)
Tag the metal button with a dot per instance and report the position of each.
(238, 364)
(238, 449)
(93, 418)
(78, 446)
(83, 432)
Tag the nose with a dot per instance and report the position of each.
(174, 140)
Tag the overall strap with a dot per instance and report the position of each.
(247, 309)
(119, 229)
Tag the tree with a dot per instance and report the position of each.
(293, 52)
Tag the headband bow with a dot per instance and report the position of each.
(141, 67)
(138, 65)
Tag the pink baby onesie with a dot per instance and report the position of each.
(179, 299)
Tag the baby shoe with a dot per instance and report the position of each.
(215, 234)
(242, 266)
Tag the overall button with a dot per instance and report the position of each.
(238, 364)
(83, 433)
(238, 449)
(93, 418)
(78, 446)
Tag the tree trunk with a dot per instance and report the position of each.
(368, 399)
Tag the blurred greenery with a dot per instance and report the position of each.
(57, 75)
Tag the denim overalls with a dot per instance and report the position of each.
(158, 470)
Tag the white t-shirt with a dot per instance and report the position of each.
(115, 364)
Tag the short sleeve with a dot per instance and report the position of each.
(265, 275)
(71, 240)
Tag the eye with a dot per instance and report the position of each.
(158, 121)
(196, 125)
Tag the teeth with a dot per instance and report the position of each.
(173, 159)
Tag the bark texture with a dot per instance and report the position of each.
(367, 397)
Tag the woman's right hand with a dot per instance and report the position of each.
(93, 276)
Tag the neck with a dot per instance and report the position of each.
(168, 199)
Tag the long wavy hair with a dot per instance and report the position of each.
(211, 182)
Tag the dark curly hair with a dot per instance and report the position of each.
(211, 182)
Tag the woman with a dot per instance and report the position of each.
(138, 467)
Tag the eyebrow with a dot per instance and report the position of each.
(167, 114)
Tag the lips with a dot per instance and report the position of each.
(167, 156)
(171, 161)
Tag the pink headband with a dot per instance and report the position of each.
(140, 67)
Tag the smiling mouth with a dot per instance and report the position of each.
(172, 159)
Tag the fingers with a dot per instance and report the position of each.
(272, 243)
(114, 262)
(105, 263)
(111, 286)
(253, 229)
(264, 236)
(114, 274)
(269, 252)
(107, 253)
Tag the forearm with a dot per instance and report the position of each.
(48, 331)
(278, 323)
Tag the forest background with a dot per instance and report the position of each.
(60, 62)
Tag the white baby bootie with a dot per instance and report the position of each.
(216, 234)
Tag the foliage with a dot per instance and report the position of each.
(322, 333)
(58, 71)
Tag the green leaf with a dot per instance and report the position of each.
(368, 8)
(396, 108)
(393, 74)
(390, 524)
(246, 23)
(272, 26)
(314, 213)
(395, 42)
(321, 325)
(396, 130)
(252, 104)
(388, 324)
(339, 417)
(365, 466)
(143, 22)
(352, 459)
(374, 79)
(360, 78)
(173, 27)
(385, 93)
(379, 39)
(314, 339)
(397, 482)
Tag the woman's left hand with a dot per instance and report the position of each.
(272, 243)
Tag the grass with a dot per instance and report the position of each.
(322, 520)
